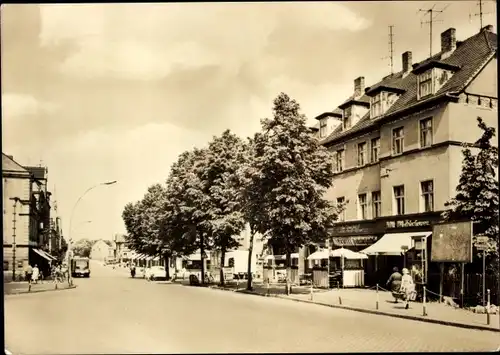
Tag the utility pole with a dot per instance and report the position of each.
(391, 49)
(432, 19)
(16, 200)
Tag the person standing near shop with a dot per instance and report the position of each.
(394, 283)
(36, 274)
(28, 273)
(407, 288)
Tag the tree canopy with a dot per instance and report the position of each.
(477, 191)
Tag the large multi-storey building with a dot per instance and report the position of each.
(26, 217)
(397, 144)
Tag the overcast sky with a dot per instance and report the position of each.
(103, 92)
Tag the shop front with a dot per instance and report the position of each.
(404, 243)
(391, 241)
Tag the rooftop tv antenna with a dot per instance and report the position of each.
(391, 49)
(480, 14)
(432, 19)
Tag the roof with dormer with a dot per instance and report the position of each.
(468, 58)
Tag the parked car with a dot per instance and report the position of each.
(156, 273)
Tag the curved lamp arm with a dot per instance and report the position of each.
(78, 201)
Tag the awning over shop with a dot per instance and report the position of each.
(140, 257)
(393, 243)
(348, 254)
(318, 255)
(42, 254)
(47, 254)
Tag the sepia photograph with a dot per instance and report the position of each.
(250, 177)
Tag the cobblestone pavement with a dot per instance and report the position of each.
(112, 313)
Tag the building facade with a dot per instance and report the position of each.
(397, 145)
(26, 217)
(102, 250)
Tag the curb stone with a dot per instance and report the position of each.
(364, 310)
(38, 291)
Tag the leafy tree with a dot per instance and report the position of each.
(188, 204)
(221, 185)
(146, 224)
(292, 173)
(251, 199)
(477, 192)
(82, 247)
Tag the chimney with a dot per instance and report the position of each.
(406, 62)
(359, 86)
(448, 40)
(487, 28)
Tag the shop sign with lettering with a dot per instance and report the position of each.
(352, 229)
(407, 223)
(354, 241)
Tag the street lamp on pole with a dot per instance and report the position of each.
(71, 222)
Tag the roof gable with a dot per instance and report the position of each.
(10, 165)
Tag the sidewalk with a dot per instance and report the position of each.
(365, 300)
(15, 288)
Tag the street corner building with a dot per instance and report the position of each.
(397, 147)
(30, 234)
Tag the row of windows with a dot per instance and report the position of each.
(425, 128)
(425, 139)
(398, 205)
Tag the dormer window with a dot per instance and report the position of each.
(432, 76)
(347, 119)
(425, 83)
(376, 105)
(382, 98)
(323, 127)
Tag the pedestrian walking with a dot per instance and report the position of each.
(28, 273)
(394, 283)
(408, 288)
(36, 274)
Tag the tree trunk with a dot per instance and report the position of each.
(249, 268)
(167, 265)
(202, 257)
(288, 271)
(222, 260)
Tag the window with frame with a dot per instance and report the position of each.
(347, 121)
(397, 140)
(376, 105)
(341, 204)
(399, 200)
(426, 132)
(375, 144)
(376, 204)
(363, 206)
(340, 158)
(427, 195)
(362, 154)
(425, 83)
(323, 126)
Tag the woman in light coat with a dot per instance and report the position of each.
(407, 288)
(36, 274)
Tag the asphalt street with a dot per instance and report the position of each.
(112, 313)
